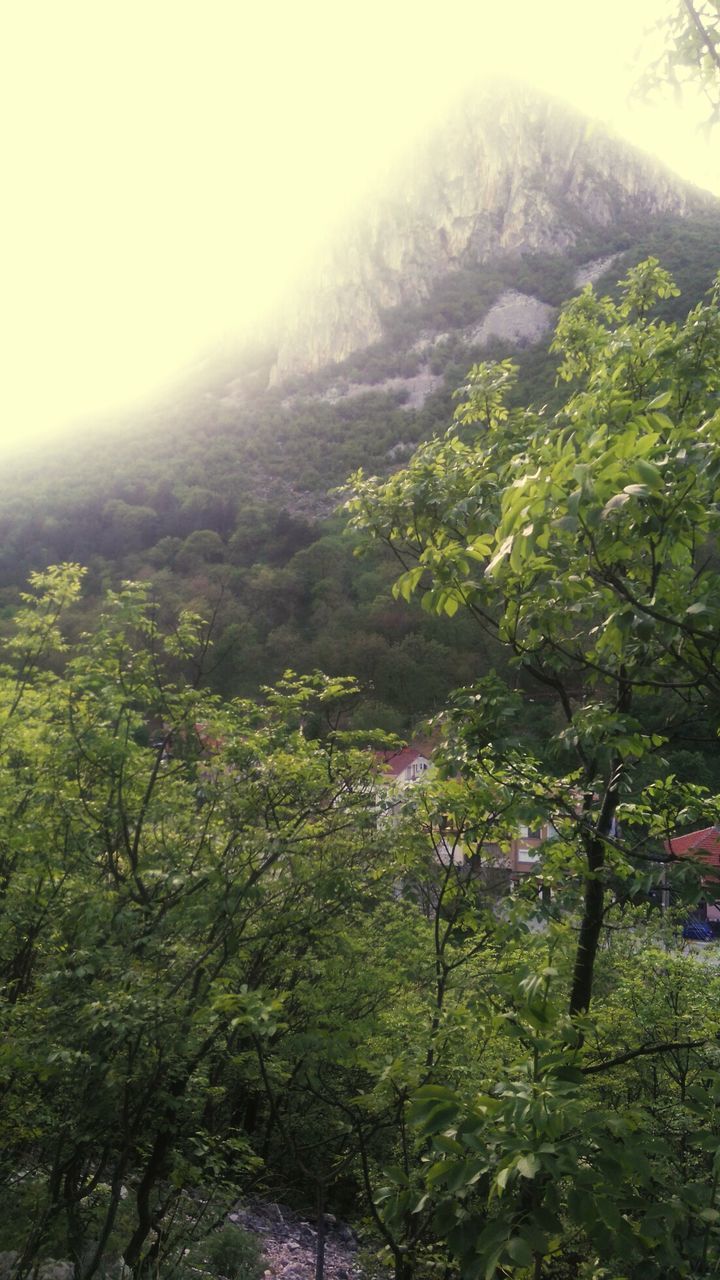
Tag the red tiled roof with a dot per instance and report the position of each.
(396, 761)
(705, 843)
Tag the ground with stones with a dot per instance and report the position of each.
(289, 1242)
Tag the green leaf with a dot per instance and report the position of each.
(479, 547)
(661, 401)
(407, 582)
(649, 473)
(501, 554)
(615, 503)
(433, 1117)
(520, 1251)
(528, 1166)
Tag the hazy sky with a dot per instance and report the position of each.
(170, 165)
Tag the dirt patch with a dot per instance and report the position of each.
(290, 1242)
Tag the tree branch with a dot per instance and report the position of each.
(644, 1051)
(706, 42)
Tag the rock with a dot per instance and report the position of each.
(514, 318)
(511, 171)
(52, 1270)
(7, 1263)
(415, 389)
(114, 1267)
(289, 1242)
(590, 272)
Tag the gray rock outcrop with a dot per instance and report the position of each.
(512, 171)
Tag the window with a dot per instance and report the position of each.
(528, 855)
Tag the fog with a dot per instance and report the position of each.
(173, 169)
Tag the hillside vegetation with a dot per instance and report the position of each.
(235, 960)
(220, 500)
(240, 960)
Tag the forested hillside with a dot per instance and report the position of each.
(221, 498)
(234, 960)
(464, 1015)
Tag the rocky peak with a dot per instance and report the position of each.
(511, 171)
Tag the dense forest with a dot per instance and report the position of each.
(235, 960)
(225, 505)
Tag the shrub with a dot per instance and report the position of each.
(230, 1253)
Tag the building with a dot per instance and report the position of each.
(518, 856)
(404, 766)
(704, 845)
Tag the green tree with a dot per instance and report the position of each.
(166, 858)
(585, 546)
(691, 54)
(588, 547)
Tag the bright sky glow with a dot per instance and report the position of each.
(171, 166)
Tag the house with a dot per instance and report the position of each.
(404, 766)
(704, 845)
(518, 856)
(524, 849)
(520, 853)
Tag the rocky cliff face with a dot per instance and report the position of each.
(511, 171)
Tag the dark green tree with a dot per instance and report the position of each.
(587, 545)
(167, 861)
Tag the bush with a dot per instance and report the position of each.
(231, 1253)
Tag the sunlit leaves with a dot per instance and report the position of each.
(160, 852)
(588, 548)
(601, 515)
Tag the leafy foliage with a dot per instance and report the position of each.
(220, 503)
(232, 959)
(691, 51)
(588, 547)
(153, 893)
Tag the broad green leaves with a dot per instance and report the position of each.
(543, 528)
(588, 547)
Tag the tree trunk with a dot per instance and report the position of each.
(590, 927)
(592, 917)
(153, 1172)
(320, 1224)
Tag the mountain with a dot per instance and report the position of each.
(218, 497)
(510, 172)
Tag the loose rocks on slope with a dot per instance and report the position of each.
(289, 1242)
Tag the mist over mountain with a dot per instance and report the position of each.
(359, 695)
(511, 172)
(219, 496)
